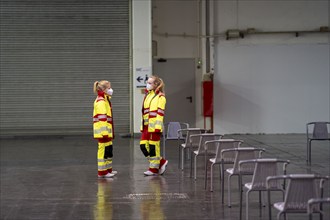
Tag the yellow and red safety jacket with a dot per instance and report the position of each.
(153, 111)
(102, 117)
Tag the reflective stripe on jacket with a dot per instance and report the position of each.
(102, 117)
(153, 111)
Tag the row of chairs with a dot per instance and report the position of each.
(245, 161)
(315, 131)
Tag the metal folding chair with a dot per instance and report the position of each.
(201, 150)
(171, 133)
(217, 146)
(316, 131)
(301, 188)
(263, 168)
(187, 143)
(243, 153)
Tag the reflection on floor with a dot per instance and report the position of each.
(56, 178)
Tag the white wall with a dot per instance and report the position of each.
(172, 20)
(272, 83)
(271, 88)
(141, 51)
(264, 83)
(176, 25)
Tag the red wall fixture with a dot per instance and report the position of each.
(208, 99)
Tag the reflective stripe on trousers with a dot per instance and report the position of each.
(103, 163)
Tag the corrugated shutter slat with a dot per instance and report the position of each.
(52, 51)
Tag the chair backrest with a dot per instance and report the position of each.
(226, 144)
(301, 188)
(191, 131)
(202, 138)
(318, 130)
(172, 130)
(244, 153)
(264, 168)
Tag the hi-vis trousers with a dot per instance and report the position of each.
(104, 158)
(150, 147)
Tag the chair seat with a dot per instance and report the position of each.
(199, 153)
(302, 207)
(230, 171)
(188, 146)
(248, 185)
(226, 160)
(212, 160)
(255, 187)
(279, 206)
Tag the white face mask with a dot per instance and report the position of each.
(109, 91)
(149, 86)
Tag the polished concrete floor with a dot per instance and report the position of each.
(56, 178)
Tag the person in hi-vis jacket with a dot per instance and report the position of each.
(103, 128)
(153, 109)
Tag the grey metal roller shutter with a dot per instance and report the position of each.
(52, 51)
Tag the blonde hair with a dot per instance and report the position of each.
(100, 85)
(160, 85)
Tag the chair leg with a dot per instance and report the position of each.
(221, 168)
(260, 203)
(269, 205)
(247, 205)
(309, 156)
(182, 158)
(205, 180)
(195, 167)
(220, 172)
(240, 187)
(211, 181)
(310, 216)
(191, 164)
(228, 182)
(222, 183)
(310, 152)
(264, 199)
(307, 151)
(179, 163)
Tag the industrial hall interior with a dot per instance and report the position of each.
(164, 109)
